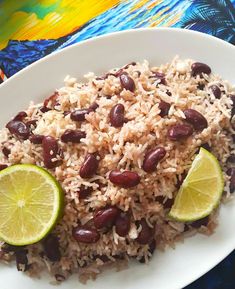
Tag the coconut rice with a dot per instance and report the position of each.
(121, 148)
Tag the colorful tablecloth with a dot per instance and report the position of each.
(31, 29)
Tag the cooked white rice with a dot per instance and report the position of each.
(123, 148)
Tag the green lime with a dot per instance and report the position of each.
(201, 190)
(31, 201)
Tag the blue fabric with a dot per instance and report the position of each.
(215, 17)
(220, 277)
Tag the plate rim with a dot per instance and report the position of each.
(93, 40)
(116, 34)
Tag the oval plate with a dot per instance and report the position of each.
(172, 269)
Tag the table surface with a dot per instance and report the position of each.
(31, 29)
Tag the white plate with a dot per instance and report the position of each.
(172, 269)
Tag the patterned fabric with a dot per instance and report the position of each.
(31, 29)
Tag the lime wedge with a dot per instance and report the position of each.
(30, 203)
(201, 190)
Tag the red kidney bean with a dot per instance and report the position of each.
(84, 192)
(44, 109)
(105, 218)
(129, 64)
(51, 248)
(160, 76)
(232, 96)
(36, 138)
(152, 158)
(79, 114)
(116, 115)
(89, 166)
(73, 136)
(186, 228)
(142, 260)
(18, 128)
(32, 122)
(160, 199)
(180, 181)
(120, 256)
(126, 179)
(50, 150)
(123, 224)
(52, 99)
(215, 90)
(199, 68)
(93, 106)
(232, 180)
(21, 260)
(152, 248)
(138, 73)
(6, 248)
(201, 86)
(229, 171)
(103, 258)
(202, 222)
(20, 116)
(109, 74)
(196, 119)
(86, 235)
(167, 204)
(180, 132)
(100, 185)
(233, 137)
(206, 146)
(146, 234)
(116, 74)
(3, 166)
(66, 112)
(231, 159)
(127, 82)
(164, 108)
(126, 120)
(6, 151)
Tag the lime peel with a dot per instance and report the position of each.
(31, 201)
(201, 190)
